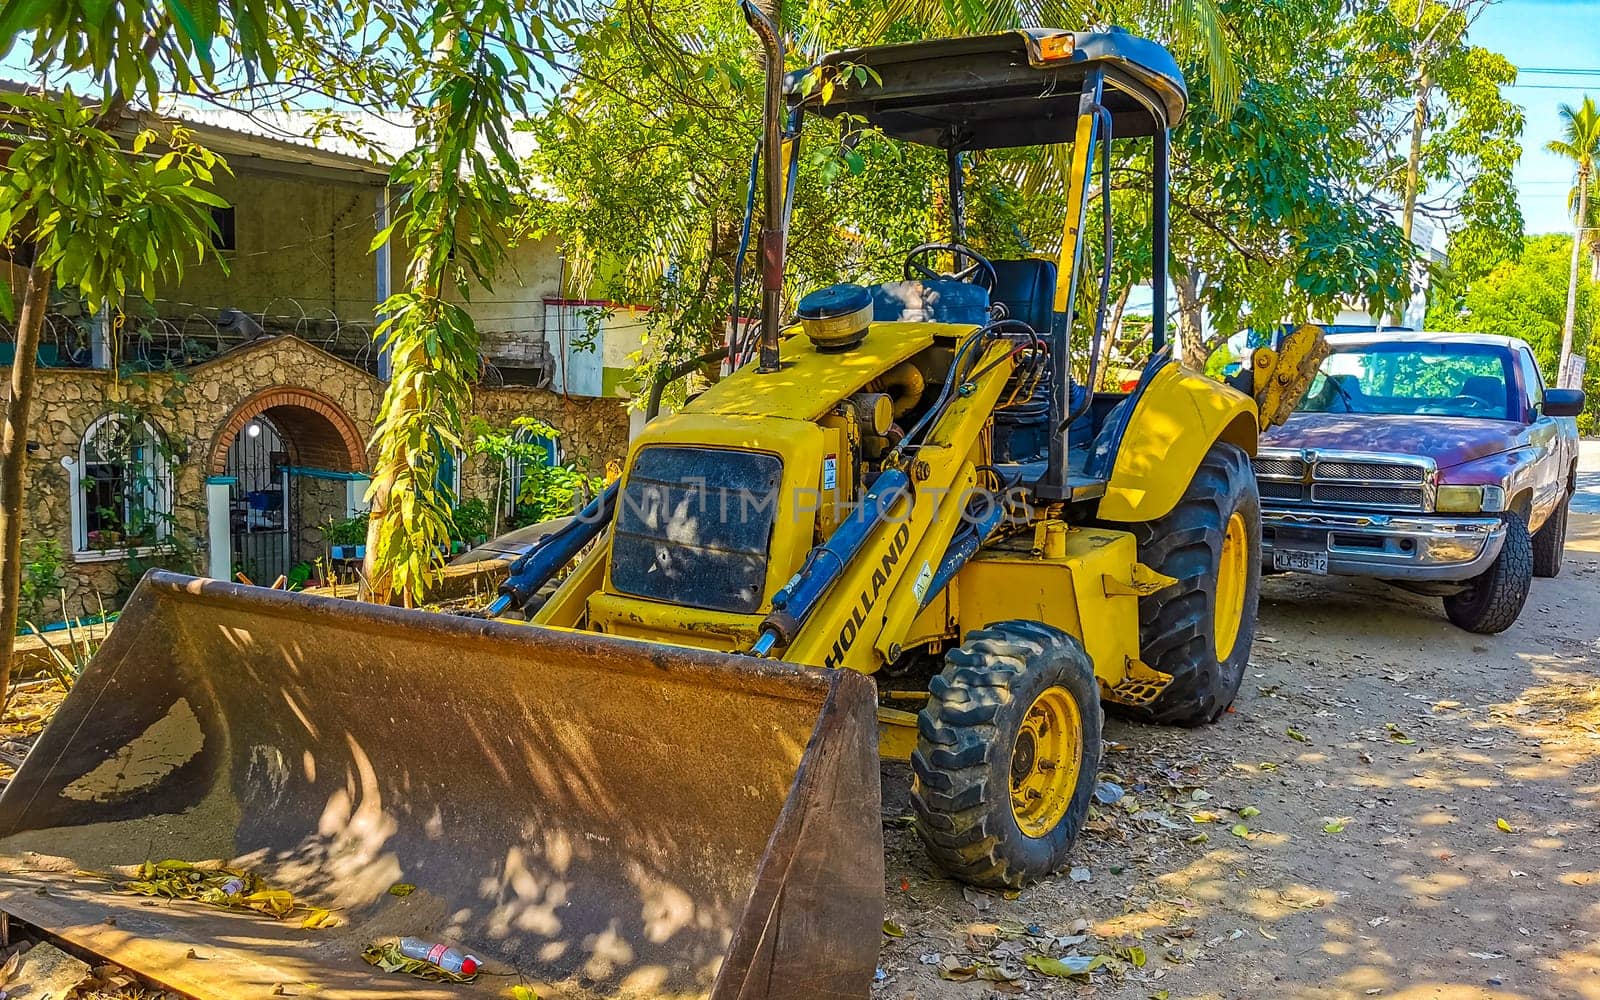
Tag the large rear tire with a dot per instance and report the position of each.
(1550, 542)
(1492, 602)
(1007, 754)
(1200, 629)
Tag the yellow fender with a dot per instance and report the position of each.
(1177, 419)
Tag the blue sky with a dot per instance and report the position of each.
(1541, 36)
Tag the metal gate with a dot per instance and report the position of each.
(262, 514)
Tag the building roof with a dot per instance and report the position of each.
(358, 141)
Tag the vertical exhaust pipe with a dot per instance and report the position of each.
(772, 232)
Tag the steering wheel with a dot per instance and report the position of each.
(979, 272)
(1472, 402)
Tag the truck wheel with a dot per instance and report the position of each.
(1493, 600)
(1550, 543)
(1007, 754)
(1200, 629)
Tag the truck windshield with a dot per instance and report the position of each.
(1451, 380)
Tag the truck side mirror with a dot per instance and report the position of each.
(1563, 402)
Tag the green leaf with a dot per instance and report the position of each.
(1065, 967)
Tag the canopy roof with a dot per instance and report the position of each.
(1016, 88)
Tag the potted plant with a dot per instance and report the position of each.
(471, 522)
(346, 539)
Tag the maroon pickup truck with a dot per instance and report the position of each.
(1438, 462)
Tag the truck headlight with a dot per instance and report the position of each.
(1469, 499)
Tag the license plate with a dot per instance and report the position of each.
(1300, 561)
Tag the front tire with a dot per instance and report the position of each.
(1492, 601)
(1007, 754)
(1200, 629)
(1550, 542)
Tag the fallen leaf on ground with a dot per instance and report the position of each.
(955, 970)
(402, 889)
(1295, 734)
(1241, 831)
(1502, 824)
(1065, 966)
(893, 929)
(320, 917)
(1334, 825)
(1249, 812)
(1398, 735)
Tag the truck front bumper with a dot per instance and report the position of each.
(1389, 547)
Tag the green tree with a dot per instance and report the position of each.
(1580, 142)
(460, 69)
(1440, 97)
(1526, 297)
(475, 62)
(79, 210)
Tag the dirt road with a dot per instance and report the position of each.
(1428, 825)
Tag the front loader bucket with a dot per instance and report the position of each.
(596, 817)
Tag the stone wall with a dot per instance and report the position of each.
(326, 408)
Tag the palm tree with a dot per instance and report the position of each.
(1580, 143)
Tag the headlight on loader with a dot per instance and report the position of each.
(1469, 499)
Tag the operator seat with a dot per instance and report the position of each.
(1028, 288)
(1486, 389)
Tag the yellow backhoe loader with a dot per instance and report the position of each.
(666, 785)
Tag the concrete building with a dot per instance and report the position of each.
(222, 426)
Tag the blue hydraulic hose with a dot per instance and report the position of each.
(550, 554)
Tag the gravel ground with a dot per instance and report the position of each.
(1394, 808)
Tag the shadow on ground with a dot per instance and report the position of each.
(1428, 825)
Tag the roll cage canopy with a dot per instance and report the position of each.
(1015, 88)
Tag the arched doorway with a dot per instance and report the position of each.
(287, 462)
(262, 515)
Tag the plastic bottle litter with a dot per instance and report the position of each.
(452, 960)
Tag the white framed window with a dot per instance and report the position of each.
(121, 489)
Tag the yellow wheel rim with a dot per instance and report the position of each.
(1233, 578)
(1045, 761)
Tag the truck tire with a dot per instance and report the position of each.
(1492, 601)
(1007, 754)
(1200, 629)
(1550, 542)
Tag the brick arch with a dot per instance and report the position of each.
(317, 430)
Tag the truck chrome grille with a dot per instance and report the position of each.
(1287, 467)
(1371, 470)
(1368, 496)
(1345, 479)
